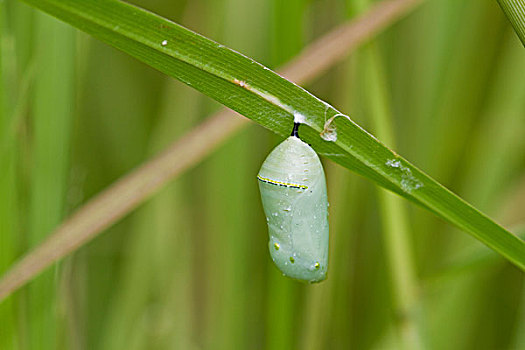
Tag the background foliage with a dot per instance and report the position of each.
(190, 268)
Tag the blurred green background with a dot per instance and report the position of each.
(190, 268)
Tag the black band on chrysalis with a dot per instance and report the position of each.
(295, 129)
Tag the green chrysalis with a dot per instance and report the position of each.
(293, 192)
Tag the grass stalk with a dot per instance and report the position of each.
(53, 107)
(515, 12)
(519, 334)
(8, 204)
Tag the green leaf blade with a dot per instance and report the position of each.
(515, 12)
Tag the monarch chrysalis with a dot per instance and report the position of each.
(293, 192)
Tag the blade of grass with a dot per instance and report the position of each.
(515, 12)
(519, 334)
(8, 212)
(131, 190)
(52, 119)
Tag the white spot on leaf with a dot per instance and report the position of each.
(408, 180)
(329, 132)
(299, 118)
